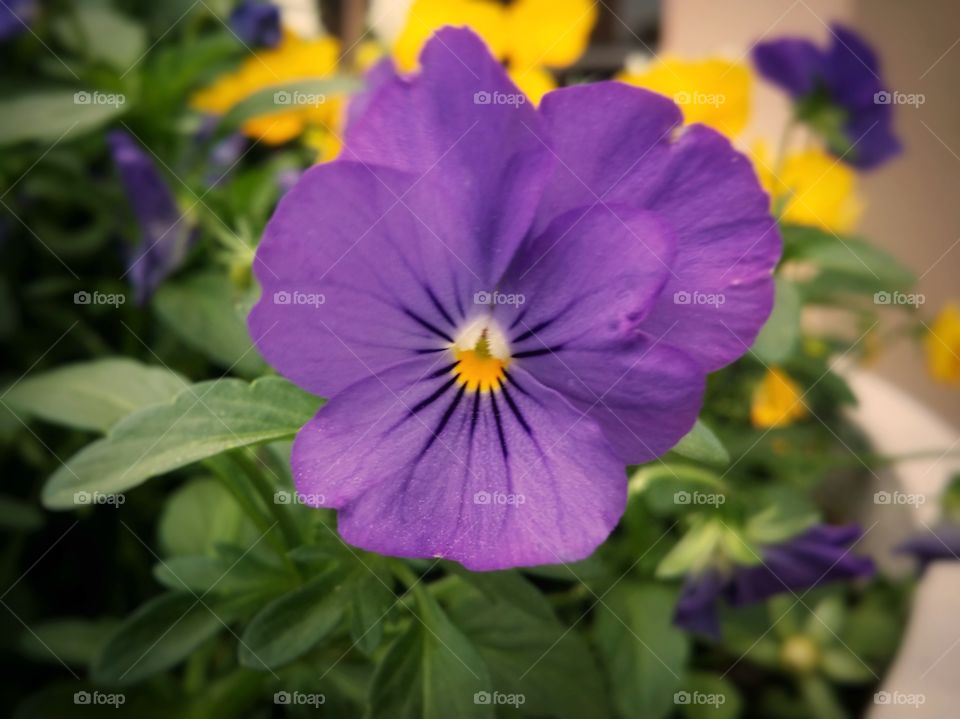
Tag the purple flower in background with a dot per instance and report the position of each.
(818, 556)
(15, 17)
(256, 23)
(506, 305)
(838, 91)
(941, 542)
(164, 233)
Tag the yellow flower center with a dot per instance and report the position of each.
(482, 358)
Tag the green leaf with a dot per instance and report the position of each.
(72, 641)
(843, 666)
(508, 587)
(785, 514)
(542, 660)
(49, 115)
(696, 548)
(94, 395)
(701, 445)
(852, 263)
(208, 313)
(370, 599)
(202, 421)
(708, 696)
(645, 654)
(99, 32)
(431, 671)
(160, 634)
(780, 336)
(200, 515)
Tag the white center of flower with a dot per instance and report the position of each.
(482, 354)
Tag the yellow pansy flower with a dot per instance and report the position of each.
(811, 188)
(294, 59)
(715, 92)
(776, 401)
(529, 35)
(942, 344)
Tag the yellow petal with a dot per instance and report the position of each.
(812, 188)
(425, 17)
(776, 401)
(293, 60)
(942, 345)
(715, 92)
(553, 33)
(534, 82)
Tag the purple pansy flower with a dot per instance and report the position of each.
(256, 23)
(165, 234)
(838, 90)
(819, 555)
(15, 17)
(506, 305)
(941, 542)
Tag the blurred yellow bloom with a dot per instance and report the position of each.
(534, 82)
(943, 346)
(293, 60)
(811, 188)
(776, 401)
(714, 92)
(529, 35)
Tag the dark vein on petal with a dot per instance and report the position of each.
(474, 415)
(519, 318)
(439, 307)
(432, 398)
(516, 410)
(442, 371)
(426, 325)
(496, 417)
(537, 353)
(448, 413)
(533, 330)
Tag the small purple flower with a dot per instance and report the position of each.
(838, 91)
(165, 235)
(818, 556)
(15, 17)
(505, 305)
(941, 542)
(256, 23)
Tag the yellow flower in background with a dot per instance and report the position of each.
(776, 401)
(811, 188)
(942, 344)
(293, 60)
(715, 92)
(529, 35)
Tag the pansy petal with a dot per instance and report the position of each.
(357, 278)
(854, 74)
(511, 477)
(793, 64)
(697, 609)
(580, 292)
(720, 290)
(461, 120)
